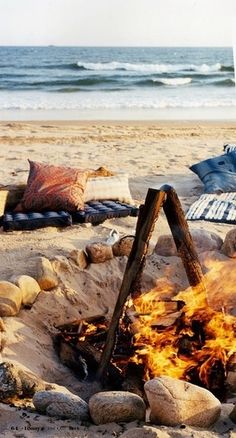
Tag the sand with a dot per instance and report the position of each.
(153, 154)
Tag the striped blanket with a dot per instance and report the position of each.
(215, 207)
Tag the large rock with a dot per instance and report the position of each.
(109, 406)
(229, 245)
(62, 405)
(175, 402)
(16, 382)
(123, 246)
(46, 276)
(10, 299)
(203, 240)
(99, 252)
(29, 288)
(79, 257)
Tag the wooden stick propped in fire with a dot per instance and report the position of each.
(183, 239)
(146, 220)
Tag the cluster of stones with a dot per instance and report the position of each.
(23, 290)
(171, 402)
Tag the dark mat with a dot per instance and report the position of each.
(97, 212)
(30, 221)
(214, 208)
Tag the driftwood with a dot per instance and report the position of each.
(130, 285)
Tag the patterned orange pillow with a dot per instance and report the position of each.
(53, 188)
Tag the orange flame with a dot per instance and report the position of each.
(177, 342)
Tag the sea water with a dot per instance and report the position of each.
(117, 82)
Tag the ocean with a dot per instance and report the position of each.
(116, 82)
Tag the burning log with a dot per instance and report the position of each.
(83, 358)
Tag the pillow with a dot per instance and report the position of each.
(114, 188)
(53, 188)
(217, 174)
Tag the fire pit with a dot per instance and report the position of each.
(182, 338)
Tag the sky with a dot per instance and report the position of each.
(117, 22)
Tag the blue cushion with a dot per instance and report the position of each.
(32, 220)
(98, 211)
(217, 174)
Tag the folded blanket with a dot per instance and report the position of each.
(214, 208)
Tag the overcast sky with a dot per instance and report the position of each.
(117, 22)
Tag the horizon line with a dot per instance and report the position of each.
(115, 46)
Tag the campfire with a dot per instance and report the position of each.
(182, 338)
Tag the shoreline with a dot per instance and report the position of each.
(220, 114)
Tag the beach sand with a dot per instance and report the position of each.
(153, 154)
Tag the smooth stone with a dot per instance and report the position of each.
(99, 252)
(10, 299)
(79, 257)
(115, 406)
(203, 241)
(60, 404)
(229, 245)
(174, 402)
(29, 288)
(123, 246)
(46, 276)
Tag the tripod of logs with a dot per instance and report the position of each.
(165, 198)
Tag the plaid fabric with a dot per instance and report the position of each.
(214, 208)
(31, 221)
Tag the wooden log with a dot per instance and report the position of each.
(145, 224)
(182, 237)
(83, 358)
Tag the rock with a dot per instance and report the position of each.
(145, 432)
(16, 382)
(46, 276)
(62, 405)
(123, 246)
(203, 240)
(232, 415)
(109, 406)
(29, 288)
(175, 402)
(99, 252)
(10, 299)
(79, 257)
(229, 245)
